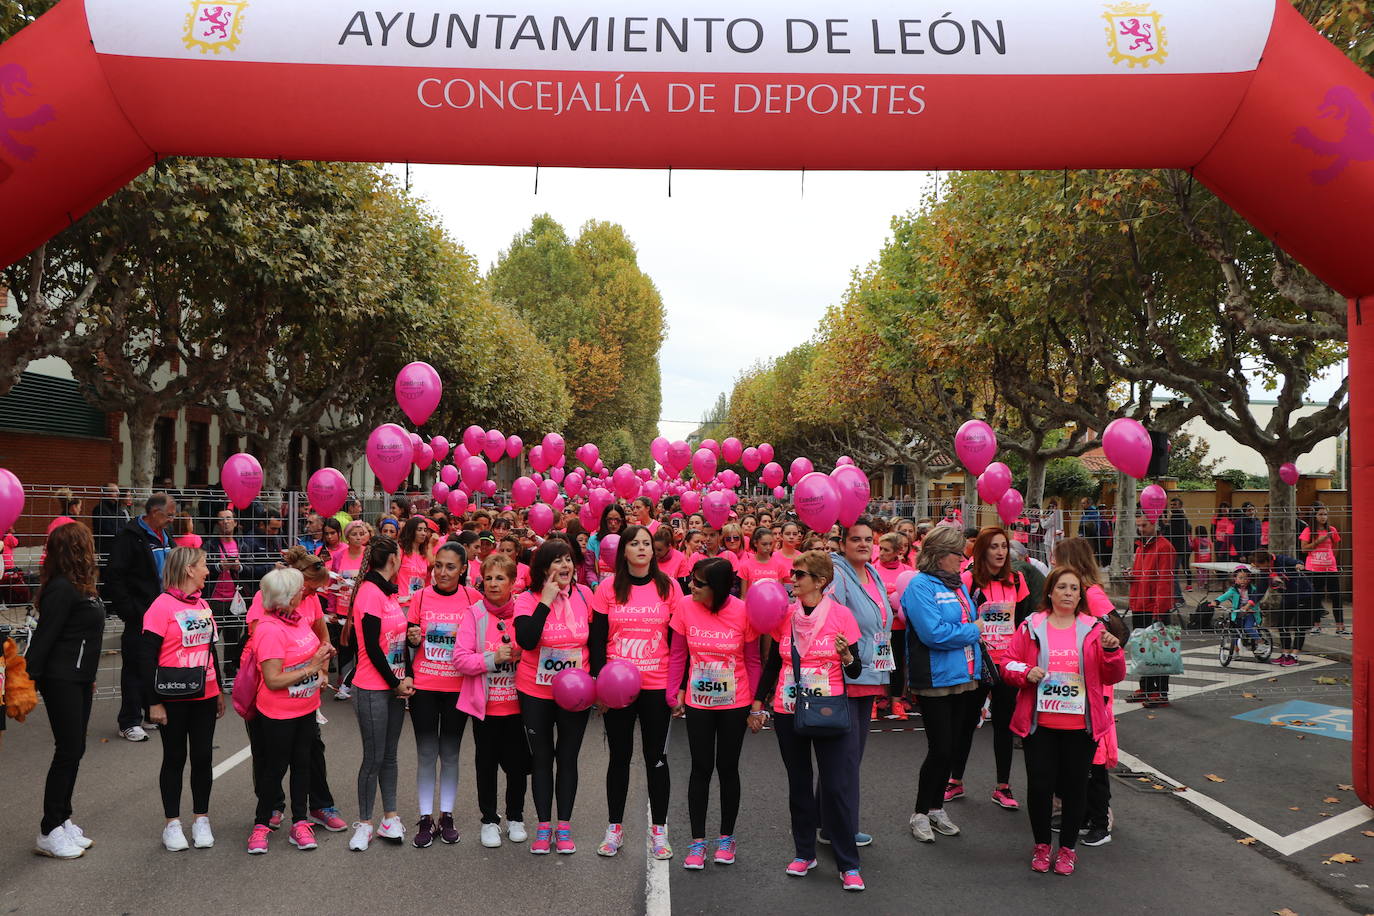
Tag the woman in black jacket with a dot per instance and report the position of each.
(62, 659)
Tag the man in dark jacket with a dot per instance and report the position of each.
(133, 580)
(260, 552)
(1248, 532)
(108, 516)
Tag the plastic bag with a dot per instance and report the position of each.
(1155, 651)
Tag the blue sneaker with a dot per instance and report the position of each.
(860, 838)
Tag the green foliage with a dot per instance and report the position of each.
(15, 14)
(1069, 478)
(1240, 480)
(1188, 460)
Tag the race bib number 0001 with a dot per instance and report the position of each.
(552, 661)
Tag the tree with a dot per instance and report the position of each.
(1188, 459)
(15, 14)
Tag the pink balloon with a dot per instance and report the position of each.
(523, 492)
(843, 459)
(903, 580)
(11, 500)
(440, 446)
(659, 450)
(474, 439)
(556, 475)
(653, 491)
(537, 459)
(573, 688)
(766, 605)
(691, 502)
(618, 684)
(460, 454)
(716, 508)
(424, 457)
(1010, 505)
(572, 484)
(541, 519)
(772, 474)
(1288, 473)
(800, 468)
(449, 475)
(1127, 446)
(474, 471)
(765, 452)
(587, 516)
(548, 491)
(553, 446)
(704, 464)
(852, 484)
(390, 456)
(600, 498)
(993, 482)
(1153, 500)
(457, 502)
(592, 453)
(731, 450)
(711, 445)
(326, 489)
(514, 445)
(418, 390)
(606, 548)
(439, 491)
(751, 459)
(558, 504)
(489, 487)
(817, 500)
(495, 448)
(679, 456)
(241, 477)
(779, 493)
(976, 446)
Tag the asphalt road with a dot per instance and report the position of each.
(1167, 856)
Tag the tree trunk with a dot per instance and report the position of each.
(1123, 534)
(971, 503)
(141, 420)
(1283, 534)
(273, 455)
(920, 493)
(1035, 481)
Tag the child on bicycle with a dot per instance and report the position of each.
(1243, 605)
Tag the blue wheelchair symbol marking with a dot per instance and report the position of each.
(1310, 718)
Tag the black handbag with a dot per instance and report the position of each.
(992, 675)
(817, 717)
(179, 683)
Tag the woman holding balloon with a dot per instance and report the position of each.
(631, 613)
(552, 625)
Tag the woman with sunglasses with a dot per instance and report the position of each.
(716, 648)
(487, 658)
(818, 638)
(432, 631)
(630, 618)
(612, 522)
(552, 625)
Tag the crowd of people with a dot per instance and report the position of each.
(449, 620)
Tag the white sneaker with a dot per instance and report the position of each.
(920, 828)
(174, 838)
(491, 835)
(392, 829)
(516, 831)
(77, 835)
(58, 845)
(343, 693)
(136, 733)
(362, 837)
(200, 833)
(320, 719)
(942, 824)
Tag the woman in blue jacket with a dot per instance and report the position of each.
(944, 668)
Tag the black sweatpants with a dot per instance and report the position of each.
(1327, 585)
(69, 712)
(131, 708)
(1003, 705)
(190, 724)
(1153, 683)
(856, 740)
(896, 685)
(501, 742)
(1097, 813)
(320, 794)
(652, 712)
(715, 738)
(1057, 763)
(949, 722)
(542, 718)
(837, 766)
(284, 744)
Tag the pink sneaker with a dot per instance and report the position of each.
(257, 840)
(852, 880)
(696, 857)
(543, 839)
(1065, 861)
(725, 851)
(1040, 858)
(1002, 796)
(562, 839)
(798, 868)
(302, 836)
(329, 819)
(275, 820)
(954, 790)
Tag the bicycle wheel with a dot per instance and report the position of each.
(1227, 649)
(1264, 646)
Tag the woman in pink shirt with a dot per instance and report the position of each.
(433, 618)
(644, 514)
(178, 653)
(344, 566)
(791, 547)
(294, 663)
(511, 547)
(716, 648)
(416, 555)
(814, 644)
(671, 560)
(552, 625)
(1318, 541)
(762, 563)
(890, 569)
(630, 616)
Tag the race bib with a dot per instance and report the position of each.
(440, 640)
(815, 683)
(501, 683)
(197, 627)
(882, 653)
(712, 684)
(417, 584)
(1062, 692)
(552, 661)
(997, 623)
(396, 655)
(306, 688)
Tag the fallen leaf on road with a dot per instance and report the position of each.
(1341, 858)
(1323, 814)
(1273, 680)
(1301, 737)
(1150, 717)
(1214, 777)
(1294, 808)
(1142, 779)
(1328, 681)
(1248, 696)
(1157, 787)
(1284, 912)
(1344, 788)
(1367, 832)
(1180, 788)
(1331, 800)
(1248, 841)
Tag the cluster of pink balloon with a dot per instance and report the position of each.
(617, 686)
(976, 445)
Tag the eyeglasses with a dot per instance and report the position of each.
(732, 537)
(697, 583)
(501, 628)
(800, 573)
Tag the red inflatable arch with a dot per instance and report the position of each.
(1242, 92)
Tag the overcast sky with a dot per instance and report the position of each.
(746, 262)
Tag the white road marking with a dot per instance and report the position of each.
(1262, 673)
(228, 764)
(657, 896)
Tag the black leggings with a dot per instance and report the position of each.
(949, 722)
(1058, 761)
(320, 794)
(501, 742)
(1293, 626)
(1327, 584)
(541, 719)
(285, 744)
(189, 723)
(69, 711)
(896, 685)
(1003, 704)
(1098, 811)
(651, 709)
(715, 737)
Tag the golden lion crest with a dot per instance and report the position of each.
(215, 25)
(1135, 35)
